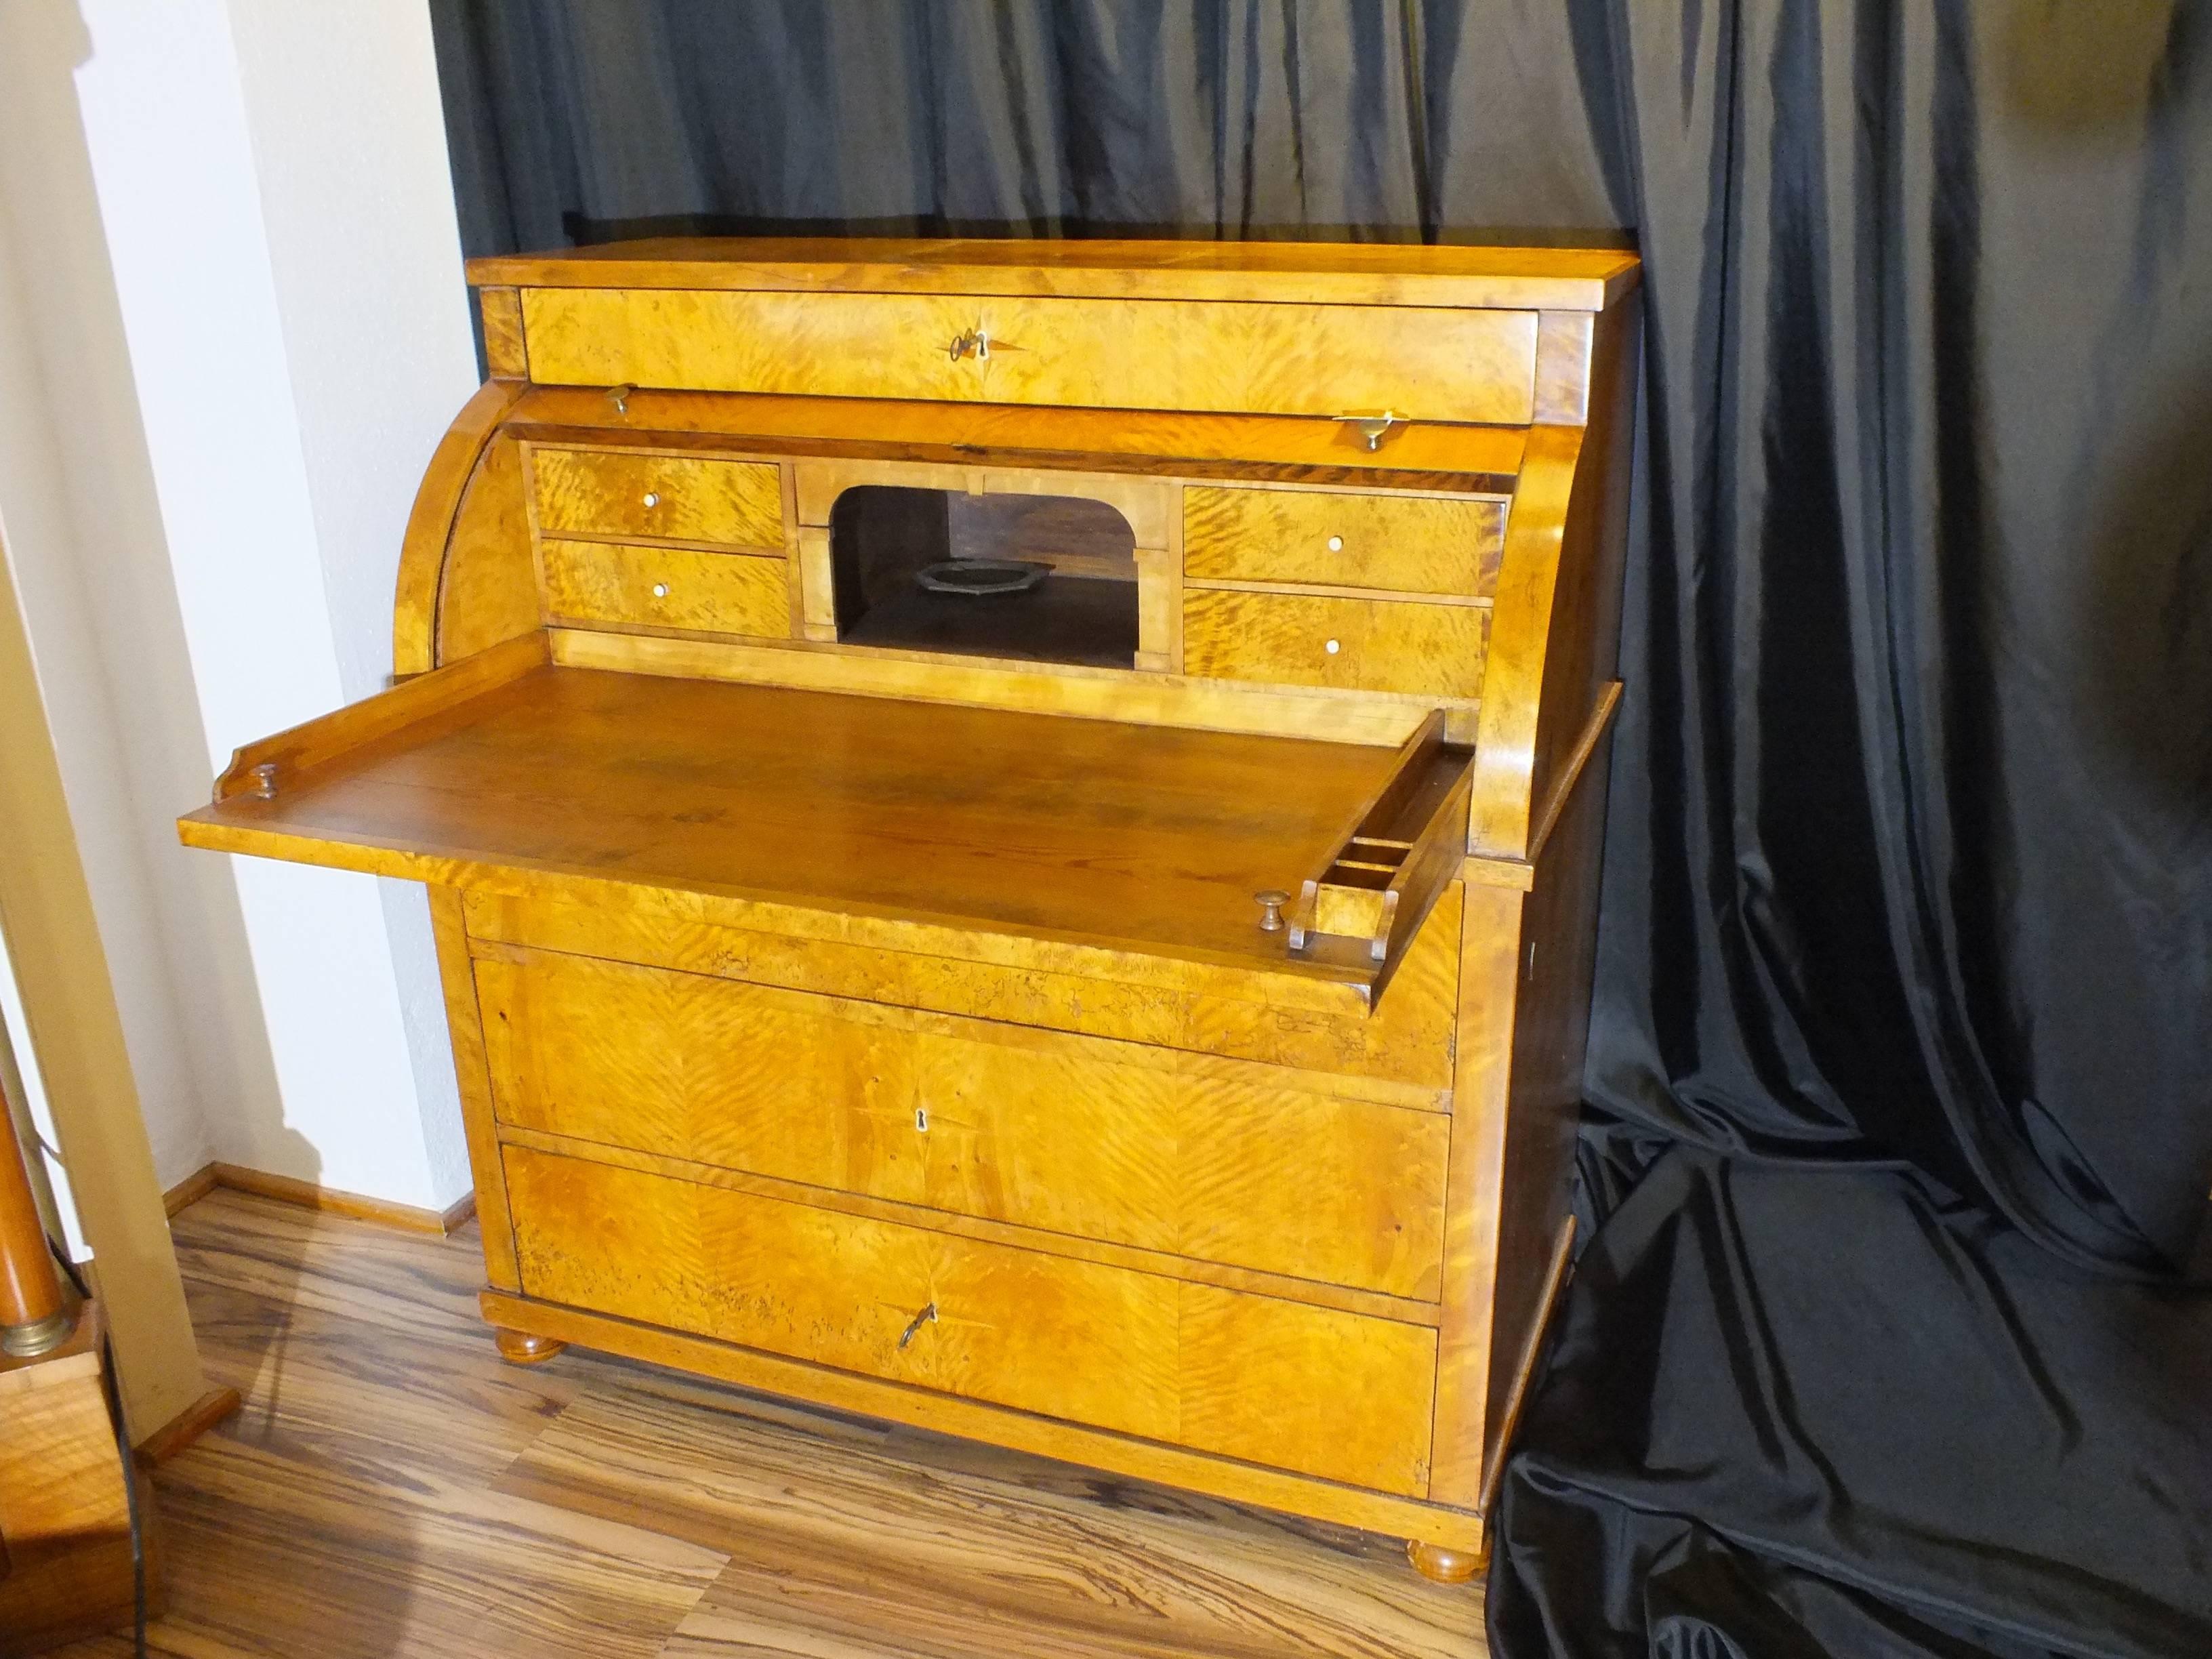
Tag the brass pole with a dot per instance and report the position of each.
(33, 1315)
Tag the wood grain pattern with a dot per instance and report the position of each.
(490, 592)
(1396, 273)
(1239, 1376)
(1081, 693)
(1406, 544)
(1292, 450)
(472, 1075)
(666, 588)
(391, 1489)
(864, 1543)
(430, 523)
(1375, 1305)
(1382, 645)
(627, 495)
(1274, 359)
(63, 1510)
(502, 310)
(425, 700)
(1087, 830)
(1407, 1039)
(1170, 1153)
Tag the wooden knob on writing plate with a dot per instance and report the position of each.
(1271, 904)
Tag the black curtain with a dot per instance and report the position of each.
(1901, 1129)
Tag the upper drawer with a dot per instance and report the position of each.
(1425, 363)
(1117, 1141)
(1344, 1396)
(606, 492)
(1403, 544)
(1356, 645)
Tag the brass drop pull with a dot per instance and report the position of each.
(619, 396)
(1374, 427)
(927, 1316)
(1271, 909)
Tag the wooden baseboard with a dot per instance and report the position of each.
(186, 1426)
(289, 1189)
(191, 1190)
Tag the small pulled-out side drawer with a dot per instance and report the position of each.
(667, 587)
(1343, 1396)
(1352, 645)
(609, 492)
(1397, 543)
(1204, 1159)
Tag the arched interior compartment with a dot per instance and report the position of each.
(882, 538)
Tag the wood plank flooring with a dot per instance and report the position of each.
(392, 1489)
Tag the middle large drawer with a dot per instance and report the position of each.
(1193, 1156)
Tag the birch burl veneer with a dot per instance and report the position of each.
(1013, 830)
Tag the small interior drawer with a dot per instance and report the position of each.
(667, 587)
(1406, 544)
(604, 492)
(1353, 645)
(1344, 1396)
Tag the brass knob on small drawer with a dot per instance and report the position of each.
(1271, 904)
(652, 498)
(661, 590)
(1332, 646)
(1336, 543)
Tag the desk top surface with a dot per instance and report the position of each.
(1133, 837)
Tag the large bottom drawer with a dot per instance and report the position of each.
(1215, 1160)
(1309, 1390)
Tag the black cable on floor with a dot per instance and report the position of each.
(123, 1449)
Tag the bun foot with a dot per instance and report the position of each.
(1443, 1566)
(518, 1349)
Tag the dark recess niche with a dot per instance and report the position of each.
(882, 537)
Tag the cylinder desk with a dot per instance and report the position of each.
(1013, 832)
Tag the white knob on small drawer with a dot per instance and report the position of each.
(661, 590)
(1331, 647)
(652, 498)
(1336, 543)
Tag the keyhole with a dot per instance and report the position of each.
(922, 1119)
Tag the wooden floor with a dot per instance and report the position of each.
(391, 1488)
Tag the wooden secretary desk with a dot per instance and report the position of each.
(1013, 830)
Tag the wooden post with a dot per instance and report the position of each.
(34, 1317)
(76, 1037)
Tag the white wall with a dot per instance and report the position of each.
(249, 329)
